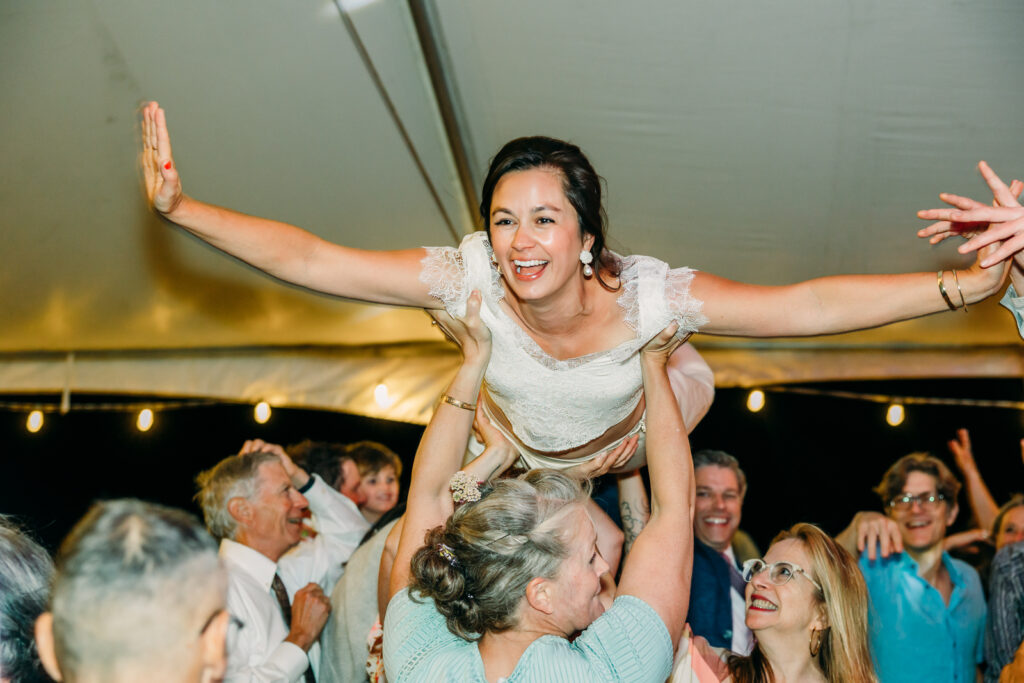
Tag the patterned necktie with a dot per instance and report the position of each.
(735, 578)
(286, 611)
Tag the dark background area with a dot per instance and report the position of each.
(807, 458)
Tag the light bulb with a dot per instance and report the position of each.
(382, 397)
(35, 421)
(894, 416)
(755, 401)
(262, 412)
(145, 420)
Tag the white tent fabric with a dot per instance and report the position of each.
(761, 141)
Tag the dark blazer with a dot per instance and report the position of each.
(710, 606)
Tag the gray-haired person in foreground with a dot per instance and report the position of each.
(25, 572)
(138, 595)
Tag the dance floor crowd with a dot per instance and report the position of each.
(294, 570)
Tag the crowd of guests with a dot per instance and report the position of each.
(309, 569)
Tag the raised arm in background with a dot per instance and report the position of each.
(982, 504)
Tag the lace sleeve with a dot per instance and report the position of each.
(685, 308)
(444, 272)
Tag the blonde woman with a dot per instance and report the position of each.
(807, 605)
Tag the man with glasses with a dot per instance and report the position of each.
(138, 595)
(927, 617)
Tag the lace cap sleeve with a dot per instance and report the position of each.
(685, 308)
(453, 273)
(444, 271)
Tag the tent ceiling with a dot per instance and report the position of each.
(760, 141)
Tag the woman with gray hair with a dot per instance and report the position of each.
(500, 586)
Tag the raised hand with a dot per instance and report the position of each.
(298, 475)
(875, 529)
(962, 453)
(163, 186)
(470, 332)
(983, 225)
(605, 462)
(662, 346)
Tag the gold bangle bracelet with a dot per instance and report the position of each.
(452, 401)
(942, 291)
(960, 291)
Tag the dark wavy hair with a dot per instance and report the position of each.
(25, 574)
(497, 545)
(580, 182)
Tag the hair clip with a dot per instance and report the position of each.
(447, 553)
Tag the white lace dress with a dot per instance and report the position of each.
(558, 405)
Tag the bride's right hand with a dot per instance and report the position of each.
(163, 186)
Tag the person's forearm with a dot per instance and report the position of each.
(302, 258)
(668, 449)
(848, 537)
(835, 304)
(634, 508)
(279, 249)
(982, 504)
(443, 445)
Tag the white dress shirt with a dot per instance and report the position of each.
(742, 637)
(257, 651)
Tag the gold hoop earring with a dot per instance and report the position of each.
(816, 637)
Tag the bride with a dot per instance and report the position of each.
(568, 316)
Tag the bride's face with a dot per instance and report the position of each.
(535, 233)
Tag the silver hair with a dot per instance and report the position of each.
(25, 573)
(134, 585)
(236, 476)
(515, 533)
(707, 456)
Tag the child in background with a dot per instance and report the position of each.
(379, 469)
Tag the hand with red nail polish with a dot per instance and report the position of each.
(163, 186)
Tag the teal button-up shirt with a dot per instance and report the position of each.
(1014, 304)
(915, 635)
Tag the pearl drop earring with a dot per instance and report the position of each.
(586, 258)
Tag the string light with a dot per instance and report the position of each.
(262, 412)
(145, 420)
(755, 400)
(35, 421)
(382, 397)
(894, 416)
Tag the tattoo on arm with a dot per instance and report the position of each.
(634, 518)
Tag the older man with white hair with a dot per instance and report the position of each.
(255, 503)
(138, 595)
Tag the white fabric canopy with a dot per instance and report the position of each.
(763, 142)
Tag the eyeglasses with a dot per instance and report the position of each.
(779, 573)
(929, 501)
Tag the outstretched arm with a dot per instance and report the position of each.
(851, 302)
(444, 442)
(284, 251)
(660, 563)
(840, 303)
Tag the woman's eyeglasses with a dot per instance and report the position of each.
(779, 573)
